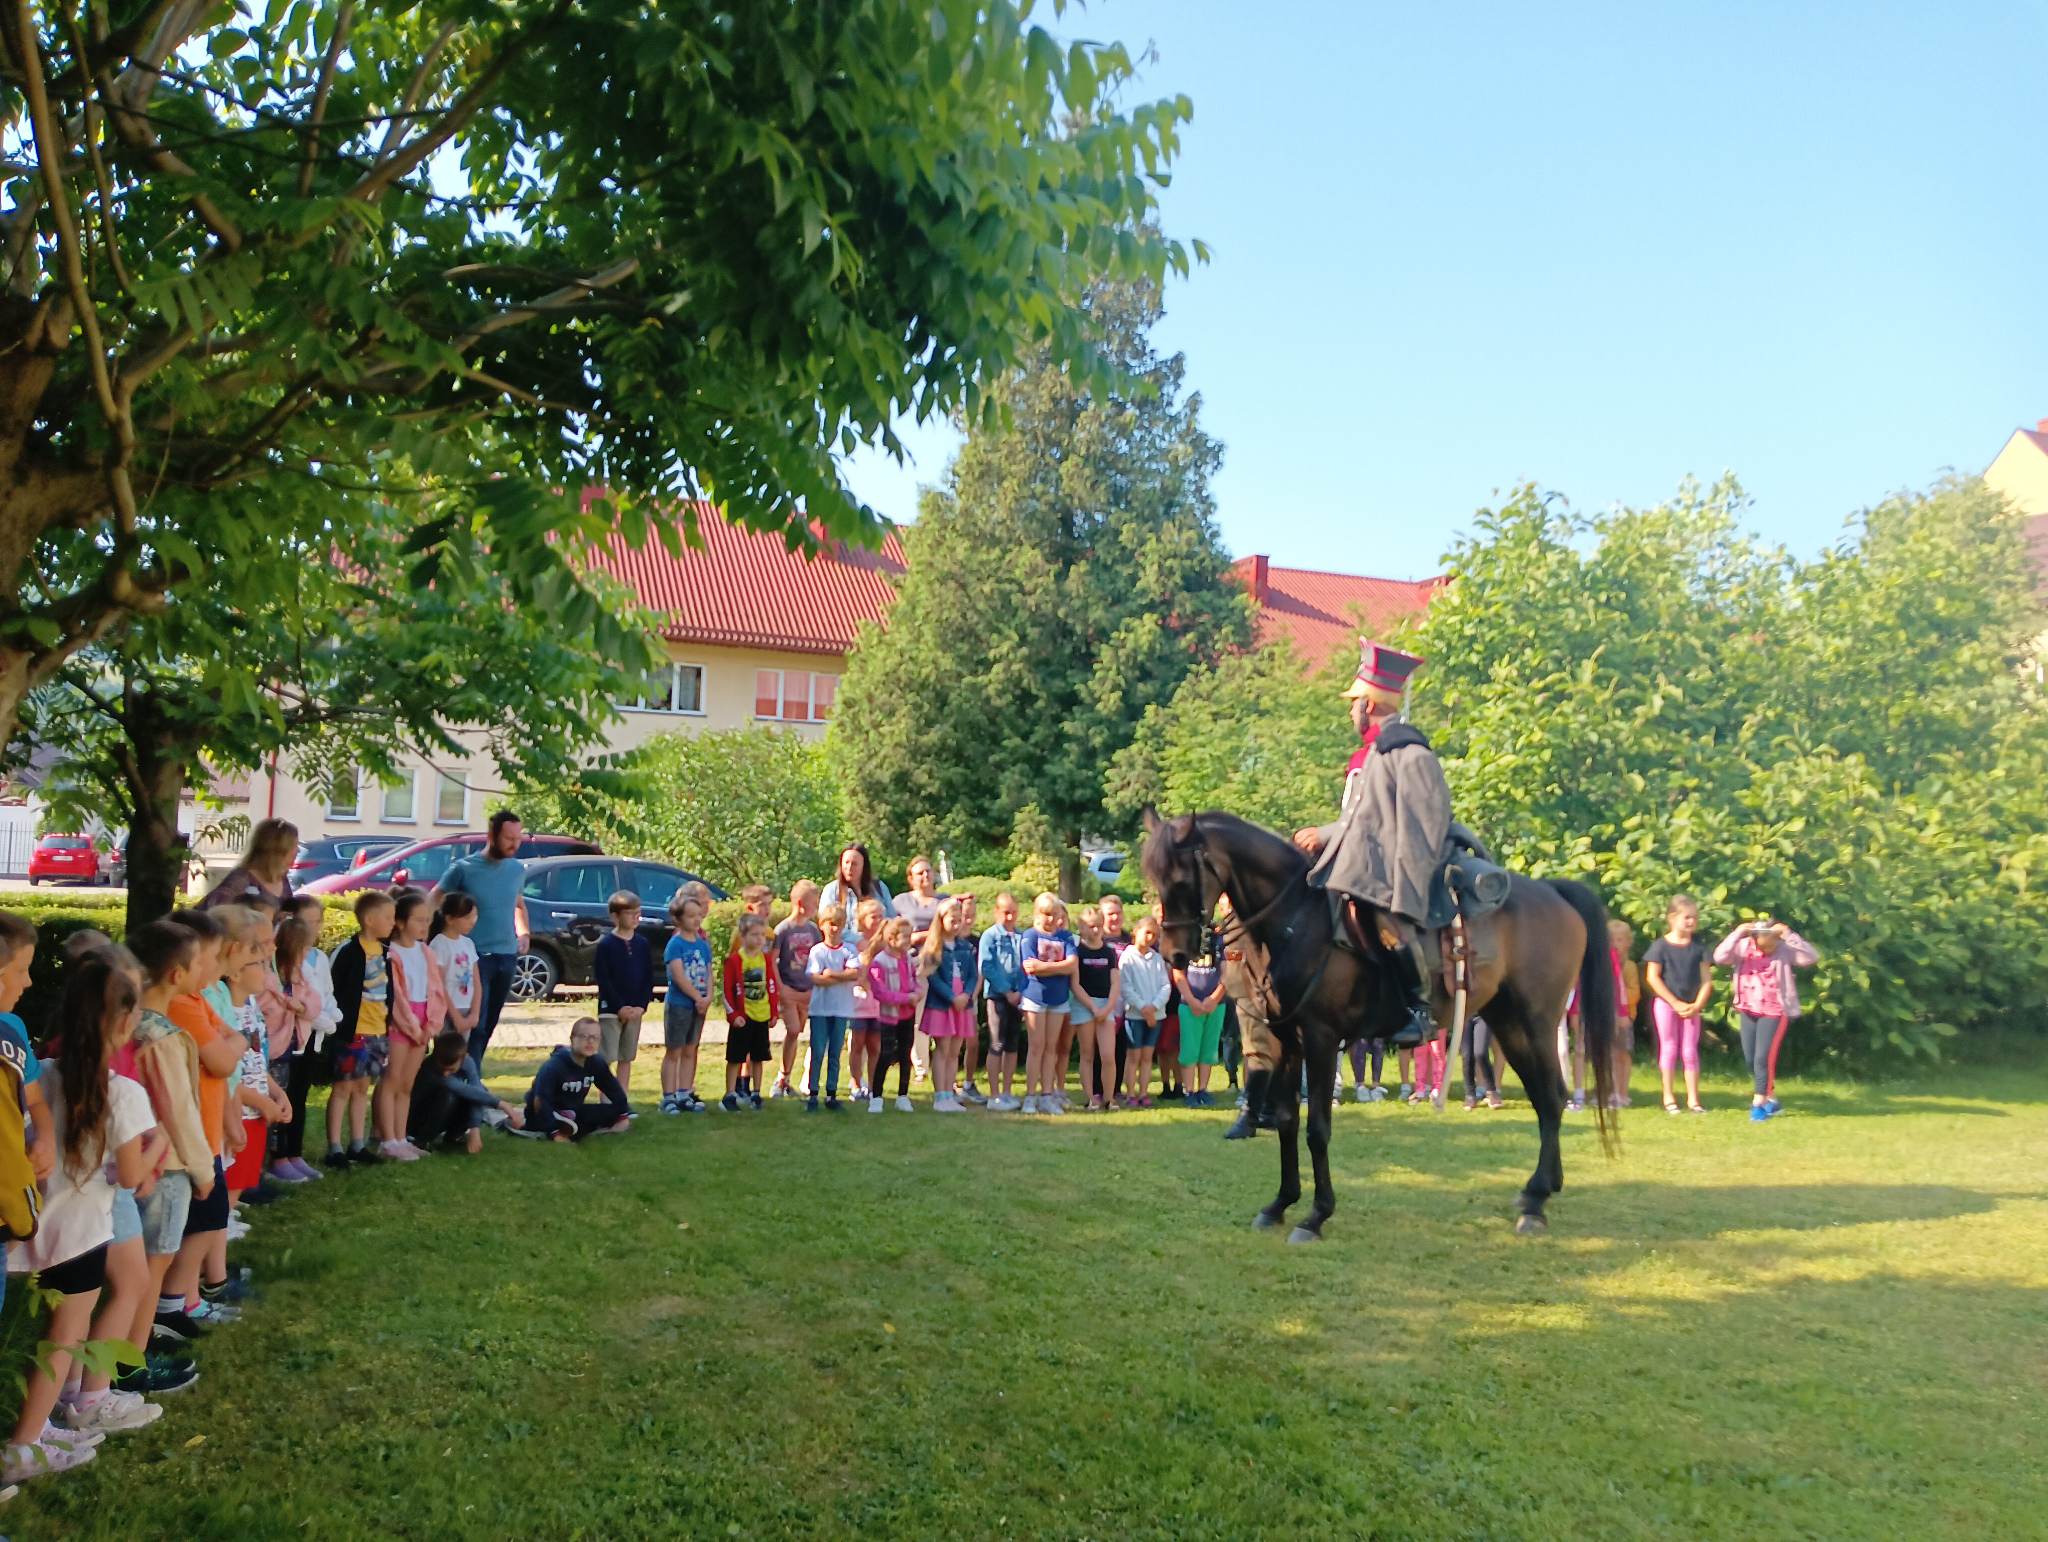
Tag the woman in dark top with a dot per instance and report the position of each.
(264, 873)
(1676, 971)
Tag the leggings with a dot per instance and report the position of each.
(289, 1139)
(1479, 1074)
(828, 1038)
(1429, 1064)
(1761, 1038)
(1359, 1049)
(1678, 1038)
(896, 1039)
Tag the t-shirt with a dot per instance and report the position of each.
(695, 953)
(1682, 964)
(794, 940)
(412, 967)
(1204, 975)
(831, 1000)
(196, 1018)
(78, 1206)
(256, 1058)
(1047, 990)
(1098, 970)
(457, 956)
(918, 912)
(494, 883)
(374, 1013)
(754, 985)
(14, 1038)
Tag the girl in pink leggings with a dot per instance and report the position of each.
(1680, 978)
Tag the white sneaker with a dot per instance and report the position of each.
(1054, 1105)
(43, 1457)
(902, 1104)
(1376, 1094)
(59, 1438)
(117, 1410)
(997, 1104)
(780, 1090)
(875, 1105)
(948, 1103)
(1029, 1105)
(237, 1228)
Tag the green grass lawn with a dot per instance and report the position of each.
(1834, 1325)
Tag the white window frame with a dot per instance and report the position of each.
(353, 812)
(443, 781)
(675, 681)
(781, 685)
(816, 676)
(409, 779)
(783, 677)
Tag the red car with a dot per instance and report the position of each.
(64, 859)
(421, 864)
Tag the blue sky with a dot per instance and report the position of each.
(1596, 247)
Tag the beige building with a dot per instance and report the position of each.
(756, 636)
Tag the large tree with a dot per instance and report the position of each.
(1066, 576)
(254, 257)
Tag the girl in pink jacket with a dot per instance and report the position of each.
(419, 1005)
(893, 982)
(1763, 953)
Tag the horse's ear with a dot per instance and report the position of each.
(1152, 820)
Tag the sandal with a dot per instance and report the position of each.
(1670, 1107)
(1692, 1108)
(1493, 1100)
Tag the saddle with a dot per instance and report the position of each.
(1468, 883)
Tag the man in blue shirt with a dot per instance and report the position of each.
(494, 880)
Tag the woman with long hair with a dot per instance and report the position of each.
(853, 882)
(264, 873)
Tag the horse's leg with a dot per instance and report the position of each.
(1322, 1072)
(1530, 1048)
(1286, 1108)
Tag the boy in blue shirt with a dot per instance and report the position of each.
(1002, 984)
(686, 961)
(1049, 965)
(555, 1109)
(624, 971)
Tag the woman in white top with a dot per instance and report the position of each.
(100, 1121)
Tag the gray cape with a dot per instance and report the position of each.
(1387, 845)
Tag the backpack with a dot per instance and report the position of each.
(21, 1197)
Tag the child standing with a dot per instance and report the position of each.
(750, 1005)
(202, 1261)
(1097, 1000)
(1763, 954)
(449, 942)
(362, 998)
(257, 1104)
(1201, 1023)
(315, 1067)
(1001, 960)
(686, 960)
(1048, 963)
(866, 1029)
(1628, 995)
(291, 1007)
(950, 969)
(1146, 982)
(794, 939)
(1676, 970)
(970, 928)
(834, 968)
(892, 981)
(624, 971)
(418, 1007)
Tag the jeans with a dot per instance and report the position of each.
(494, 977)
(828, 1038)
(1479, 1077)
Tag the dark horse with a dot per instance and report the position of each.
(1548, 936)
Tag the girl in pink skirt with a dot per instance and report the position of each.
(951, 965)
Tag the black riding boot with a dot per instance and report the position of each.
(1421, 1023)
(1249, 1122)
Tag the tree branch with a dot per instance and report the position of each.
(320, 93)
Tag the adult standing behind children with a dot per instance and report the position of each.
(264, 873)
(855, 881)
(494, 880)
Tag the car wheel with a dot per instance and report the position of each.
(33, 880)
(533, 977)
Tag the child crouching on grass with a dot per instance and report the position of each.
(450, 1103)
(555, 1106)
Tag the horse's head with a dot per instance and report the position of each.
(1176, 861)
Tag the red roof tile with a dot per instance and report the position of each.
(744, 589)
(1323, 613)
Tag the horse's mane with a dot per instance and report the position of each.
(1254, 842)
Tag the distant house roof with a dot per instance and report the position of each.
(745, 589)
(1322, 613)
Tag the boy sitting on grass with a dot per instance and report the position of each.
(555, 1108)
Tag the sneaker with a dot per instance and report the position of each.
(229, 1292)
(214, 1313)
(730, 1103)
(755, 1102)
(1773, 1107)
(337, 1160)
(115, 1410)
(948, 1103)
(185, 1327)
(1406, 1089)
(262, 1195)
(875, 1105)
(1052, 1105)
(669, 1105)
(1759, 1114)
(1577, 1104)
(832, 1103)
(365, 1156)
(971, 1094)
(1029, 1105)
(811, 1104)
(42, 1458)
(903, 1103)
(157, 1376)
(781, 1088)
(282, 1172)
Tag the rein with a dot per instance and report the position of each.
(1239, 928)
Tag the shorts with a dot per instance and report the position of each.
(1053, 1015)
(745, 1040)
(1137, 1035)
(949, 1022)
(681, 1023)
(621, 1037)
(363, 1058)
(76, 1276)
(246, 1170)
(127, 1217)
(164, 1212)
(1005, 1026)
(210, 1213)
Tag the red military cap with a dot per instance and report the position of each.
(1381, 669)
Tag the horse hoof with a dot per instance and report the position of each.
(1264, 1222)
(1303, 1234)
(1531, 1226)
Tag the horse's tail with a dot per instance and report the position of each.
(1596, 1001)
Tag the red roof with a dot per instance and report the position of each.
(1323, 613)
(745, 589)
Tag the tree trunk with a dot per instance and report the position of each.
(156, 850)
(1070, 868)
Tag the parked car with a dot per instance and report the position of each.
(421, 864)
(567, 911)
(331, 854)
(114, 863)
(64, 859)
(1106, 867)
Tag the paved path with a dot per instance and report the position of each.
(543, 1025)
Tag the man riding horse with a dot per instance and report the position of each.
(1388, 843)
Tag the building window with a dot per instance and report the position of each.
(346, 800)
(399, 797)
(678, 688)
(794, 695)
(451, 800)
